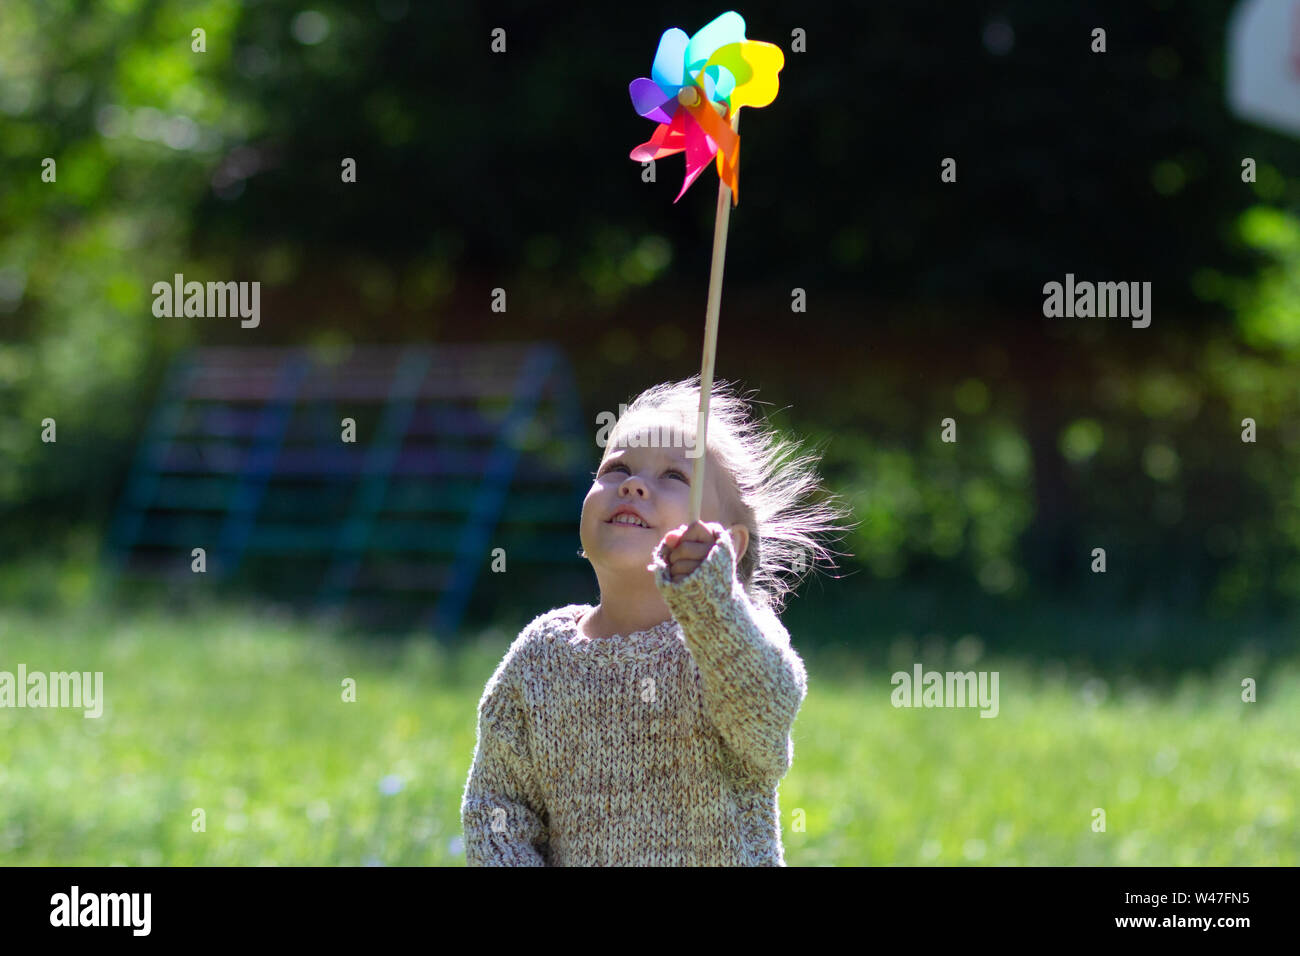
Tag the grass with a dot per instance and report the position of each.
(240, 715)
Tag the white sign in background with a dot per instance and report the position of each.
(1264, 63)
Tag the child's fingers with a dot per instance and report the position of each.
(689, 551)
(674, 536)
(702, 532)
(688, 546)
(680, 569)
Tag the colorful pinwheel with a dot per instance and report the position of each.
(696, 88)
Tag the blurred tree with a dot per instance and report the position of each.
(134, 121)
(477, 170)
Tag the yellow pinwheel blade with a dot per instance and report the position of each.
(755, 65)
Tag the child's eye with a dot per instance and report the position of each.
(670, 471)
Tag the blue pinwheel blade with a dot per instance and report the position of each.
(728, 28)
(723, 81)
(669, 69)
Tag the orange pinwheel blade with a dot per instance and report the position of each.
(729, 171)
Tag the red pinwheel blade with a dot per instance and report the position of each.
(668, 138)
(699, 153)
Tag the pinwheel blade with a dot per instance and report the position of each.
(692, 174)
(699, 151)
(765, 60)
(700, 147)
(706, 83)
(729, 171)
(722, 79)
(718, 130)
(669, 69)
(649, 100)
(732, 59)
(668, 138)
(728, 28)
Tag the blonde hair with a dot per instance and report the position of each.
(774, 485)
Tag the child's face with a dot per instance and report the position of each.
(655, 482)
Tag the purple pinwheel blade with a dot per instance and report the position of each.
(652, 102)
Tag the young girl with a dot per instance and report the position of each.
(653, 728)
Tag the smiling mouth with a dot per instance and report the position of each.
(627, 521)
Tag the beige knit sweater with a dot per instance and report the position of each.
(659, 748)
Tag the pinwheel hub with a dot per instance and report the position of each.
(688, 96)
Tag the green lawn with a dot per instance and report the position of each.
(242, 716)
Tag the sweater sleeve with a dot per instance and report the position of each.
(502, 813)
(752, 680)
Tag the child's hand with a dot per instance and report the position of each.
(689, 545)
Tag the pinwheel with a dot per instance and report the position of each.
(696, 88)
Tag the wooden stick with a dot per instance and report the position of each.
(720, 222)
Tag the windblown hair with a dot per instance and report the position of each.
(780, 499)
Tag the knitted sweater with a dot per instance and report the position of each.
(663, 747)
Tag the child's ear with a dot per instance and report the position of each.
(740, 537)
